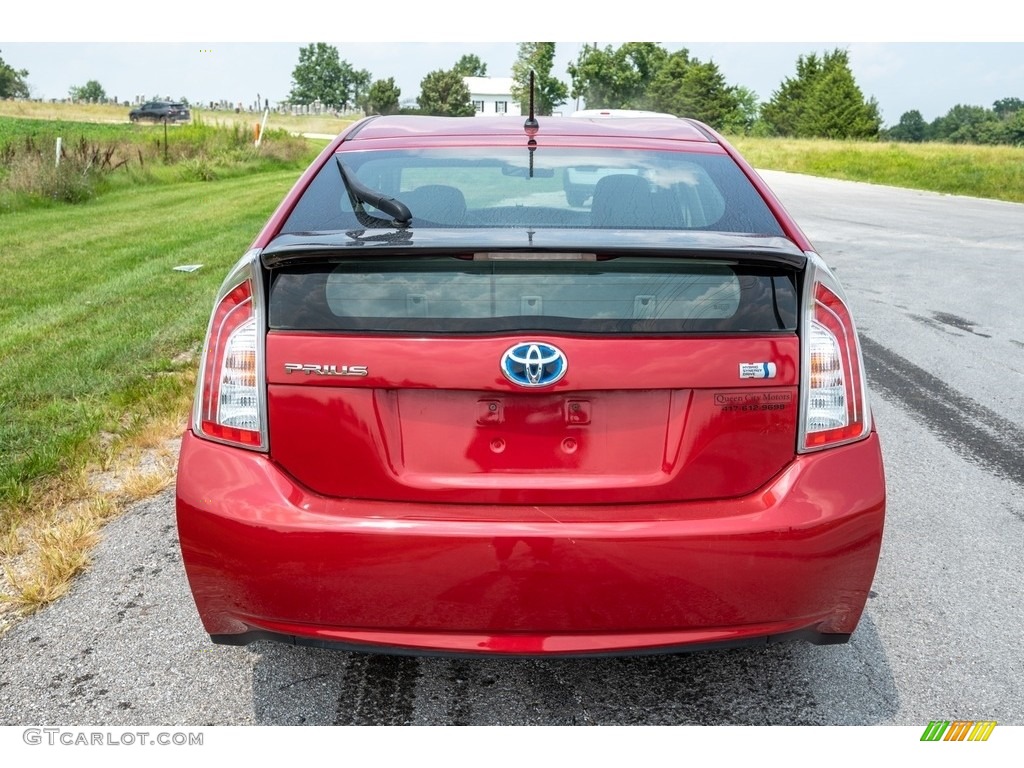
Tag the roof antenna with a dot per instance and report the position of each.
(531, 126)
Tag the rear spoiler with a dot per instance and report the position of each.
(465, 243)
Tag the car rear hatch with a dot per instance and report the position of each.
(532, 375)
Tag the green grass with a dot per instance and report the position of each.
(18, 134)
(995, 172)
(13, 130)
(92, 314)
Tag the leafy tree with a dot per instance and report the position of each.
(911, 127)
(969, 124)
(593, 77)
(444, 92)
(91, 91)
(619, 78)
(322, 75)
(12, 81)
(1013, 129)
(646, 76)
(1008, 107)
(823, 100)
(749, 106)
(838, 109)
(360, 87)
(550, 92)
(784, 112)
(470, 65)
(669, 92)
(966, 124)
(713, 100)
(642, 62)
(382, 98)
(695, 89)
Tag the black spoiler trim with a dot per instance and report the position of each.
(300, 248)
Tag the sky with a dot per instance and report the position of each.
(964, 60)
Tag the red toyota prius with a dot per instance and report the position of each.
(571, 388)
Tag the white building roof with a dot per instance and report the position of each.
(489, 86)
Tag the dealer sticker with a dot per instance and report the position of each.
(758, 370)
(753, 400)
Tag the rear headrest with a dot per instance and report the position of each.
(435, 204)
(622, 201)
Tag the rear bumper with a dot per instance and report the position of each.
(267, 558)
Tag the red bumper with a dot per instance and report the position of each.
(264, 555)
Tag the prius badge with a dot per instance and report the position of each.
(326, 370)
(534, 364)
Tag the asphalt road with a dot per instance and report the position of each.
(935, 283)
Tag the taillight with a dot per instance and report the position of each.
(834, 398)
(229, 404)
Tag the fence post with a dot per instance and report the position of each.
(56, 162)
(259, 135)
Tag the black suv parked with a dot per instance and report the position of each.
(160, 111)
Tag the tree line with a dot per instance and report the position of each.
(964, 124)
(820, 100)
(323, 76)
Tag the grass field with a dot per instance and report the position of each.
(98, 341)
(98, 331)
(995, 172)
(92, 312)
(15, 130)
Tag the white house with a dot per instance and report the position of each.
(492, 96)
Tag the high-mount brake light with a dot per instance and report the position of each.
(229, 401)
(835, 409)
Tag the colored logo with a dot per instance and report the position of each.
(534, 364)
(758, 370)
(958, 730)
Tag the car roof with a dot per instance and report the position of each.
(619, 113)
(439, 128)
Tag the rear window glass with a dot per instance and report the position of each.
(446, 295)
(564, 188)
